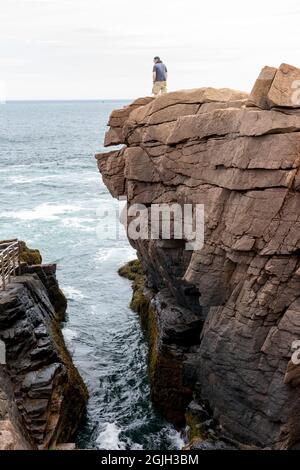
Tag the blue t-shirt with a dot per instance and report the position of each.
(161, 71)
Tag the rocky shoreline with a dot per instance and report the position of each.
(42, 396)
(221, 319)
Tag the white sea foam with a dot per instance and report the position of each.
(108, 438)
(176, 439)
(79, 223)
(136, 446)
(72, 293)
(22, 179)
(128, 254)
(124, 253)
(69, 334)
(94, 310)
(103, 254)
(43, 211)
(26, 178)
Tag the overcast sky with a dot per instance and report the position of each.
(91, 49)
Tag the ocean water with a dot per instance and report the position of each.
(50, 196)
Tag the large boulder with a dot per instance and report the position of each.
(277, 88)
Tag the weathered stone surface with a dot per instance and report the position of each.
(245, 122)
(28, 255)
(276, 88)
(10, 435)
(196, 96)
(138, 166)
(111, 166)
(259, 93)
(157, 113)
(284, 90)
(171, 332)
(114, 137)
(66, 446)
(45, 393)
(199, 444)
(209, 107)
(118, 118)
(242, 163)
(47, 274)
(174, 330)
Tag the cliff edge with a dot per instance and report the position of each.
(223, 317)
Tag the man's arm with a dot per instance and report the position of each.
(166, 73)
(154, 73)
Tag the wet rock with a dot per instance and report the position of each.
(47, 274)
(171, 333)
(28, 255)
(198, 444)
(45, 393)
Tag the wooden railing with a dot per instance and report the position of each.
(9, 261)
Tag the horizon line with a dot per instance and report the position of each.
(65, 99)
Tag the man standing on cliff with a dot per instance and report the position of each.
(160, 76)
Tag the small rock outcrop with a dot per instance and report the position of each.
(44, 395)
(239, 156)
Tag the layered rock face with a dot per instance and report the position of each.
(239, 156)
(44, 395)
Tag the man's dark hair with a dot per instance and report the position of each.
(157, 58)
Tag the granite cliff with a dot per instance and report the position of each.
(42, 396)
(221, 320)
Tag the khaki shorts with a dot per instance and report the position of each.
(159, 87)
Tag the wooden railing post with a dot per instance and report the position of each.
(10, 261)
(14, 260)
(3, 272)
(19, 257)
